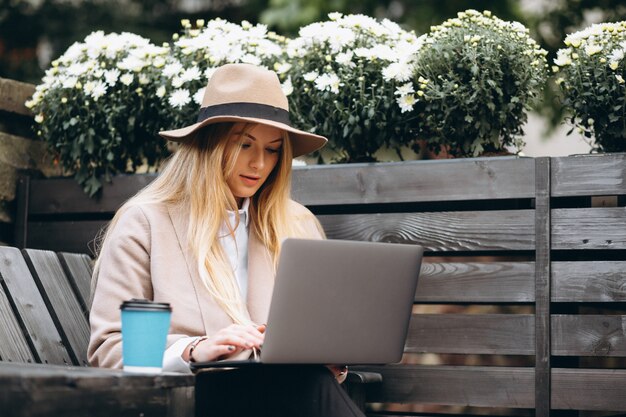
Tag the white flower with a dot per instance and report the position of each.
(197, 98)
(345, 59)
(620, 79)
(88, 87)
(617, 55)
(179, 98)
(328, 82)
(127, 79)
(69, 82)
(404, 89)
(99, 89)
(251, 59)
(177, 82)
(78, 69)
(399, 71)
(282, 68)
(172, 69)
(39, 118)
(287, 87)
(310, 76)
(160, 92)
(593, 49)
(563, 58)
(406, 103)
(132, 63)
(111, 76)
(190, 74)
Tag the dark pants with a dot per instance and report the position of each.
(273, 391)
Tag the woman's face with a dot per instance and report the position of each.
(259, 152)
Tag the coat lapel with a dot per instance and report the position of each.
(179, 216)
(260, 280)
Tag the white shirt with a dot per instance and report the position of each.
(236, 248)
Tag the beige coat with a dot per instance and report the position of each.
(146, 257)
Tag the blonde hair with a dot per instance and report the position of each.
(195, 178)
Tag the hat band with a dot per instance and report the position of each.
(254, 110)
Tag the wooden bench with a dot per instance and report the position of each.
(520, 305)
(43, 345)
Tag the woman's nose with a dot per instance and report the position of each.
(258, 160)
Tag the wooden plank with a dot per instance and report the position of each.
(38, 390)
(439, 232)
(22, 192)
(495, 282)
(479, 386)
(29, 304)
(69, 315)
(13, 95)
(589, 335)
(542, 287)
(64, 195)
(589, 228)
(78, 269)
(502, 334)
(414, 181)
(589, 389)
(598, 174)
(64, 236)
(13, 345)
(589, 281)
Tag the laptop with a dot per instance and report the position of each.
(338, 302)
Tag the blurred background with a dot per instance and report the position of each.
(34, 32)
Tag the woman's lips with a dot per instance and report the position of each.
(250, 180)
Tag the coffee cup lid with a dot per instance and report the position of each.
(143, 304)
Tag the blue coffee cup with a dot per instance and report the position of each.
(145, 325)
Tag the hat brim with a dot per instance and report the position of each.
(302, 142)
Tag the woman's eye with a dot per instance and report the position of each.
(272, 150)
(245, 145)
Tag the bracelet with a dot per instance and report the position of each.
(194, 345)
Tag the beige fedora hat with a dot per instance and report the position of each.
(247, 93)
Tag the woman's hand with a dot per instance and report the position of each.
(227, 342)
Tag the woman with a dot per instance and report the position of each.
(205, 237)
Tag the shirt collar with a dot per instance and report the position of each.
(243, 212)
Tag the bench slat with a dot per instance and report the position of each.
(589, 228)
(415, 181)
(450, 282)
(511, 387)
(70, 316)
(64, 195)
(513, 334)
(64, 236)
(589, 281)
(78, 268)
(13, 344)
(589, 335)
(40, 328)
(504, 334)
(28, 390)
(439, 232)
(13, 95)
(588, 389)
(602, 174)
(480, 386)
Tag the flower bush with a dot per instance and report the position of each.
(198, 51)
(96, 109)
(351, 82)
(590, 72)
(477, 76)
